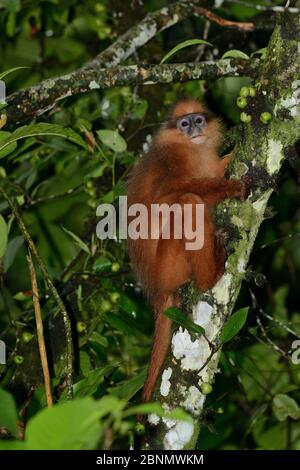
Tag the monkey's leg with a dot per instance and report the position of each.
(208, 263)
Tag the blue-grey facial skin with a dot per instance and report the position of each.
(191, 125)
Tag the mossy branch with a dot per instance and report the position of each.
(34, 101)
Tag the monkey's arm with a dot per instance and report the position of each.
(211, 190)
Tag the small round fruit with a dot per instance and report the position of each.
(220, 411)
(140, 429)
(244, 117)
(115, 297)
(81, 327)
(18, 360)
(252, 91)
(115, 267)
(105, 306)
(265, 117)
(244, 91)
(241, 102)
(206, 388)
(27, 337)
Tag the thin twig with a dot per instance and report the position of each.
(275, 8)
(40, 330)
(241, 26)
(61, 306)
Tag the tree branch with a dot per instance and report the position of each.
(260, 148)
(34, 101)
(40, 331)
(240, 26)
(52, 288)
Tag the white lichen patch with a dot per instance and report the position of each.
(165, 382)
(178, 436)
(206, 375)
(194, 400)
(218, 3)
(275, 155)
(290, 103)
(241, 266)
(203, 316)
(237, 221)
(193, 354)
(49, 83)
(224, 65)
(153, 419)
(221, 291)
(261, 203)
(169, 423)
(94, 85)
(202, 313)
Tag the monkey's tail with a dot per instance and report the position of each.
(160, 346)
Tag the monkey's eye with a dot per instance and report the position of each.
(199, 120)
(184, 123)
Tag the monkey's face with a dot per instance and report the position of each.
(193, 127)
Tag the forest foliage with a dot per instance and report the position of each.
(57, 169)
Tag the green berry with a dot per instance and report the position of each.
(81, 327)
(140, 429)
(114, 297)
(241, 102)
(18, 360)
(244, 117)
(252, 91)
(27, 337)
(206, 388)
(220, 411)
(105, 305)
(244, 91)
(265, 117)
(115, 267)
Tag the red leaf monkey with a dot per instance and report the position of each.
(182, 166)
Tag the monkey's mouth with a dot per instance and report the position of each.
(198, 139)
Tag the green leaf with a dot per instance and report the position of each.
(3, 136)
(112, 140)
(3, 236)
(12, 445)
(97, 338)
(182, 45)
(261, 52)
(121, 324)
(89, 385)
(42, 128)
(234, 324)
(234, 54)
(8, 412)
(102, 264)
(8, 72)
(127, 304)
(12, 249)
(284, 407)
(69, 425)
(128, 388)
(77, 240)
(178, 316)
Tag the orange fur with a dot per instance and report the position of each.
(176, 170)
